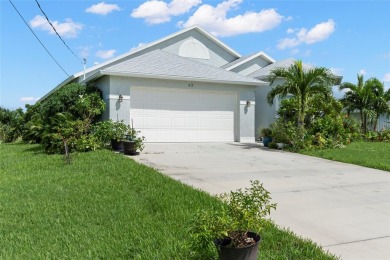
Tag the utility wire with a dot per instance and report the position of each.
(52, 26)
(38, 38)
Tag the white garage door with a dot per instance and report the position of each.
(171, 115)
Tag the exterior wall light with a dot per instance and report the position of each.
(120, 99)
(248, 103)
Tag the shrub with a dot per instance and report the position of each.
(272, 145)
(86, 143)
(378, 136)
(11, 124)
(63, 122)
(328, 126)
(265, 132)
(282, 132)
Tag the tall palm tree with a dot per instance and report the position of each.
(381, 98)
(359, 97)
(302, 84)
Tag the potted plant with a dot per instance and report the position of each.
(118, 133)
(132, 142)
(233, 227)
(266, 134)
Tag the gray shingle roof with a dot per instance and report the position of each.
(265, 71)
(227, 65)
(164, 64)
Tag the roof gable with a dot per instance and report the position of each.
(159, 44)
(243, 60)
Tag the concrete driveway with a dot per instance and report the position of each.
(344, 208)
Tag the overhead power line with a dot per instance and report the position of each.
(38, 38)
(52, 26)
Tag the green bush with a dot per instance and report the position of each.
(378, 136)
(63, 122)
(86, 143)
(108, 130)
(11, 124)
(328, 126)
(265, 132)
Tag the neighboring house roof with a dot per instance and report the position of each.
(264, 72)
(245, 59)
(161, 64)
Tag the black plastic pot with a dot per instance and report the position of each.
(129, 148)
(245, 253)
(116, 145)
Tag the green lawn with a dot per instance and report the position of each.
(370, 154)
(105, 206)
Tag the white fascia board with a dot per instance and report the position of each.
(168, 77)
(262, 54)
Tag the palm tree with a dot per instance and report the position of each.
(381, 98)
(302, 84)
(361, 97)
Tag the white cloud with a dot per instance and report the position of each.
(215, 20)
(157, 11)
(68, 29)
(102, 8)
(288, 43)
(105, 54)
(84, 51)
(28, 100)
(386, 78)
(290, 30)
(362, 72)
(318, 33)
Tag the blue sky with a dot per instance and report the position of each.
(349, 37)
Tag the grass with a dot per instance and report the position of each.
(105, 206)
(370, 154)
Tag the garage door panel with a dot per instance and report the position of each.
(164, 122)
(167, 115)
(138, 121)
(191, 123)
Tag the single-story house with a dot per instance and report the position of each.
(186, 87)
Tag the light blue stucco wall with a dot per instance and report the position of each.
(104, 85)
(265, 113)
(244, 115)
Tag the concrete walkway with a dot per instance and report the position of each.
(344, 208)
